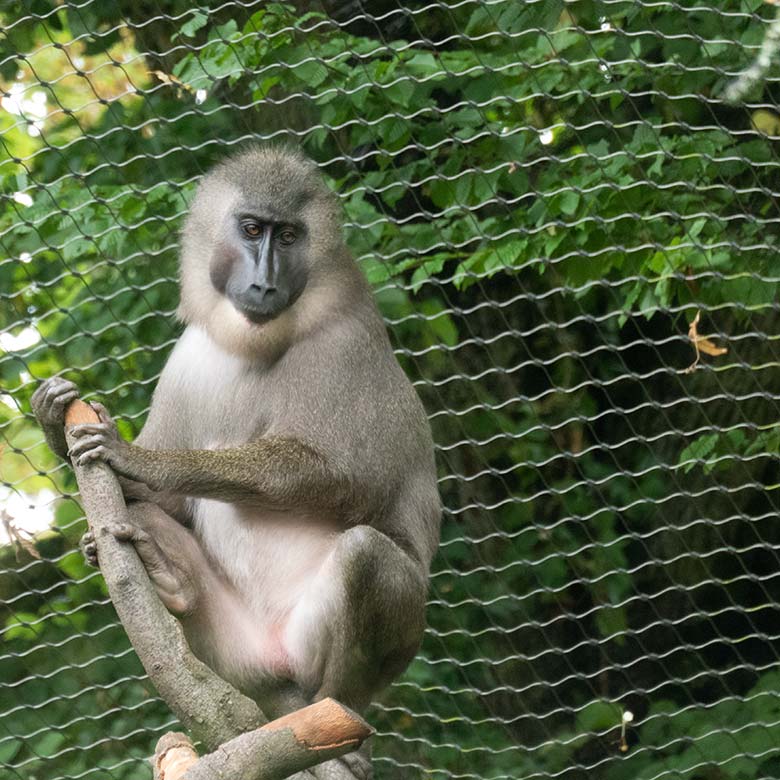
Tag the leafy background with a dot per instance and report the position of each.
(543, 195)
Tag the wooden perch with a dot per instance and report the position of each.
(226, 721)
(294, 742)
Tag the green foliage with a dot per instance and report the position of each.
(543, 195)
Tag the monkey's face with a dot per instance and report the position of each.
(260, 265)
(263, 258)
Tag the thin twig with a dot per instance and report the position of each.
(737, 90)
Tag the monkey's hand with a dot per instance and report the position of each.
(49, 402)
(101, 441)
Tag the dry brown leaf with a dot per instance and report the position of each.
(18, 537)
(708, 348)
(171, 80)
(702, 344)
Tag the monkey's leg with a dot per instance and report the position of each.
(219, 627)
(189, 586)
(172, 556)
(374, 618)
(215, 621)
(360, 622)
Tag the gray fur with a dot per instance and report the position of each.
(303, 454)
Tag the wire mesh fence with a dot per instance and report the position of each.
(573, 238)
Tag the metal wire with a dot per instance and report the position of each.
(544, 196)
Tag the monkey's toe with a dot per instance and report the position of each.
(89, 548)
(358, 765)
(124, 532)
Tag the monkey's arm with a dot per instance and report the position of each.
(174, 504)
(277, 472)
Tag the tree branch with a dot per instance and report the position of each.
(208, 706)
(738, 89)
(294, 742)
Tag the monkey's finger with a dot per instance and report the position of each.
(90, 553)
(56, 387)
(50, 400)
(85, 444)
(89, 429)
(61, 401)
(102, 412)
(53, 409)
(49, 384)
(89, 548)
(99, 453)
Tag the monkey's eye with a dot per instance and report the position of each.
(252, 229)
(287, 236)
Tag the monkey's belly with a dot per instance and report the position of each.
(272, 557)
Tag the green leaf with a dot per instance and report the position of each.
(599, 716)
(193, 24)
(568, 202)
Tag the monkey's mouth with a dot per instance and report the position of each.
(256, 315)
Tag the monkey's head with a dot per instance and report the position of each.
(262, 251)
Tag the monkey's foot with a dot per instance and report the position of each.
(358, 765)
(175, 589)
(89, 548)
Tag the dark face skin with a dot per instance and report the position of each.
(261, 268)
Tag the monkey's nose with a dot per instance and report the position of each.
(262, 291)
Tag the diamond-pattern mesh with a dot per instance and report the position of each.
(572, 234)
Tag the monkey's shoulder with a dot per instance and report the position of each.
(348, 394)
(354, 360)
(343, 388)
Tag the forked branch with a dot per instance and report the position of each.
(208, 706)
(297, 741)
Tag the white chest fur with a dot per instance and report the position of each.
(200, 372)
